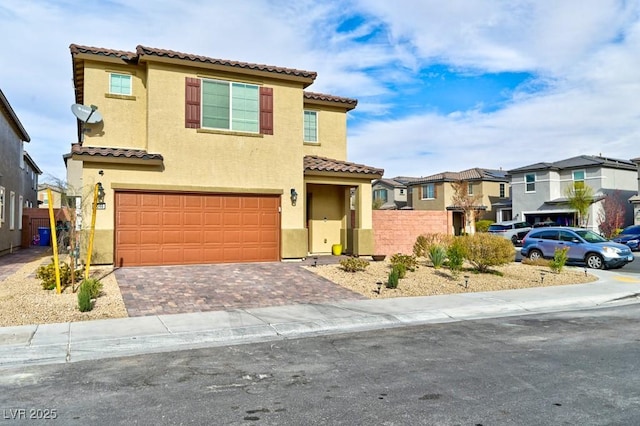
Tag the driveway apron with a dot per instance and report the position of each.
(10, 263)
(197, 288)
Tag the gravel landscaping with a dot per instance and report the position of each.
(23, 301)
(428, 281)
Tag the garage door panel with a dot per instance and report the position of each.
(173, 228)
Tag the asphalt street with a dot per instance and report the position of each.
(563, 368)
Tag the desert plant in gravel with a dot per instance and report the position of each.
(437, 255)
(559, 260)
(394, 278)
(47, 273)
(484, 250)
(455, 257)
(354, 264)
(409, 261)
(89, 291)
(425, 241)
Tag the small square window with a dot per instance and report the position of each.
(120, 84)
(428, 191)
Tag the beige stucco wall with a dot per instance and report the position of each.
(327, 217)
(332, 132)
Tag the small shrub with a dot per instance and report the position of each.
(94, 286)
(409, 261)
(437, 255)
(425, 241)
(47, 273)
(484, 250)
(483, 225)
(536, 262)
(455, 257)
(402, 270)
(559, 259)
(354, 264)
(392, 281)
(84, 299)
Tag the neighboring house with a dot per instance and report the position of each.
(18, 177)
(635, 199)
(205, 160)
(392, 193)
(539, 190)
(57, 194)
(436, 193)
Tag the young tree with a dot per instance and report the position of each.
(611, 217)
(579, 197)
(465, 202)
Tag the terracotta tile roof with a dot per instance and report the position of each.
(94, 151)
(474, 174)
(122, 54)
(349, 103)
(323, 164)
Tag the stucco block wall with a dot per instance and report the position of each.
(395, 231)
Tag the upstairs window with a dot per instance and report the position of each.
(530, 182)
(502, 190)
(311, 126)
(230, 106)
(428, 191)
(470, 189)
(120, 84)
(578, 178)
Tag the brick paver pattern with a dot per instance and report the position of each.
(162, 290)
(10, 263)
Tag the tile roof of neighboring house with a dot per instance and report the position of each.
(390, 182)
(13, 118)
(92, 151)
(350, 103)
(578, 162)
(474, 174)
(323, 164)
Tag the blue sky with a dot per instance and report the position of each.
(441, 86)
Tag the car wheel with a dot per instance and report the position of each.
(514, 240)
(535, 254)
(594, 261)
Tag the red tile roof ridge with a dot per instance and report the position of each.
(317, 163)
(331, 98)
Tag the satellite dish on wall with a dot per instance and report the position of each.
(86, 114)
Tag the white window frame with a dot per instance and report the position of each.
(21, 160)
(527, 183)
(20, 207)
(575, 181)
(378, 192)
(230, 127)
(12, 210)
(433, 191)
(306, 128)
(120, 75)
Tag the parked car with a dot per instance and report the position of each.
(584, 246)
(511, 229)
(629, 236)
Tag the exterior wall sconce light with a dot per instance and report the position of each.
(294, 197)
(100, 204)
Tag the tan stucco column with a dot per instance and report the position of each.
(363, 241)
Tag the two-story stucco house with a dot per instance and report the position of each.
(436, 192)
(18, 177)
(391, 194)
(539, 190)
(205, 160)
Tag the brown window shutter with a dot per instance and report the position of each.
(266, 110)
(192, 103)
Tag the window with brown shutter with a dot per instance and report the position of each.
(266, 110)
(192, 103)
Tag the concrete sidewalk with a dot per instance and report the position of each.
(90, 340)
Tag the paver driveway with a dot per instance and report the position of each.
(196, 288)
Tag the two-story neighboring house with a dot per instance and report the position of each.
(57, 195)
(390, 194)
(635, 199)
(436, 192)
(18, 177)
(539, 190)
(205, 160)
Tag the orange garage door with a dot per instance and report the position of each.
(175, 228)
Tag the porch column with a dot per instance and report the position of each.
(363, 241)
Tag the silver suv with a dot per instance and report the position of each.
(511, 229)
